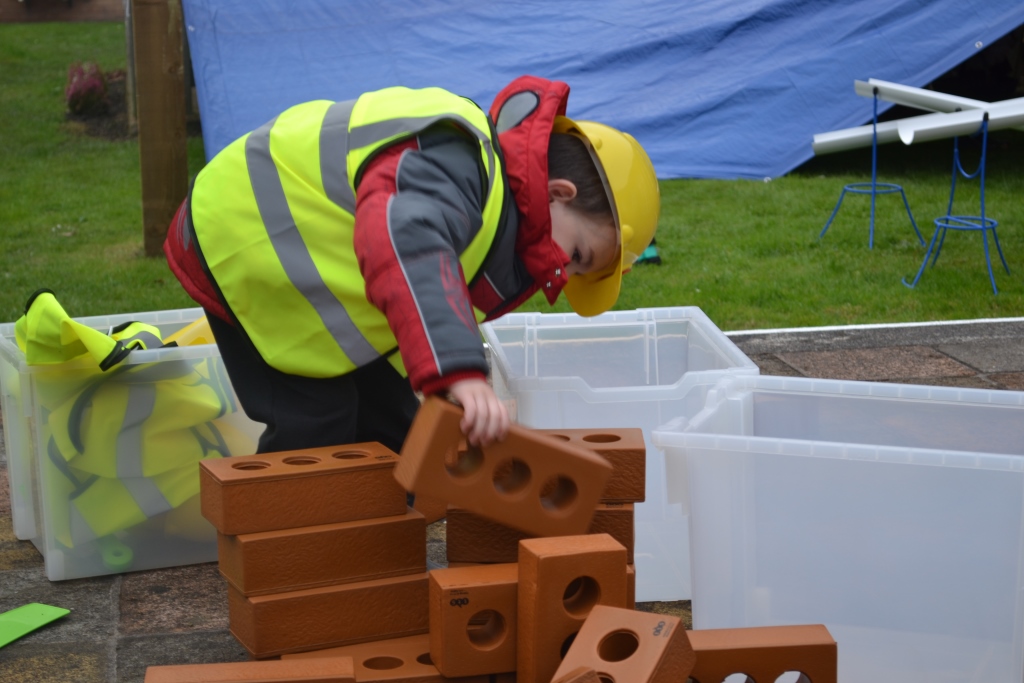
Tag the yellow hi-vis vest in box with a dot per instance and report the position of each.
(123, 441)
(129, 445)
(47, 335)
(274, 216)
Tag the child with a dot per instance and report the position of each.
(346, 251)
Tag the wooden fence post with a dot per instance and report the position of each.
(129, 72)
(157, 29)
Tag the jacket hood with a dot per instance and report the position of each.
(524, 113)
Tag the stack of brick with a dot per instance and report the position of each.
(326, 568)
(508, 620)
(475, 539)
(500, 623)
(319, 548)
(552, 616)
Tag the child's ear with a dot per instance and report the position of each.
(562, 190)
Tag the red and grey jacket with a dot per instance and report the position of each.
(418, 204)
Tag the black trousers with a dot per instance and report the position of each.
(372, 403)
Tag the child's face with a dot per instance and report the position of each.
(590, 244)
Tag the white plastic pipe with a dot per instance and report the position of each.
(929, 100)
(918, 98)
(920, 128)
(1008, 114)
(852, 138)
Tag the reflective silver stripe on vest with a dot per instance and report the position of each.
(334, 155)
(292, 251)
(372, 133)
(147, 496)
(141, 401)
(148, 339)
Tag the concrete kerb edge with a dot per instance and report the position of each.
(871, 326)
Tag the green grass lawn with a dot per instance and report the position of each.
(70, 205)
(745, 252)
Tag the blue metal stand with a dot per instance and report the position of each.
(873, 188)
(958, 222)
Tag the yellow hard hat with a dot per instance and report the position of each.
(632, 188)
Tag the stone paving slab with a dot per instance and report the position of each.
(770, 364)
(134, 654)
(1014, 381)
(1002, 356)
(14, 554)
(63, 662)
(811, 339)
(964, 382)
(93, 603)
(119, 625)
(173, 600)
(890, 363)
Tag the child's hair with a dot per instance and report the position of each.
(569, 158)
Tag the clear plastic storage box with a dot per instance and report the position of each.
(104, 466)
(637, 368)
(891, 513)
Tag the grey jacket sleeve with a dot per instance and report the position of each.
(411, 267)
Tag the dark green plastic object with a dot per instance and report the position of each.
(23, 620)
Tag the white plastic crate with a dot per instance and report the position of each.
(44, 489)
(891, 513)
(638, 369)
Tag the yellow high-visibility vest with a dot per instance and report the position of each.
(280, 202)
(125, 440)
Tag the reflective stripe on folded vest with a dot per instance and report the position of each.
(129, 445)
(136, 422)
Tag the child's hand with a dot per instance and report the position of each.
(486, 418)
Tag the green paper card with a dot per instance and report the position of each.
(23, 620)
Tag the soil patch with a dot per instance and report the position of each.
(111, 121)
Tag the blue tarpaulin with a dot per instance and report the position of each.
(711, 88)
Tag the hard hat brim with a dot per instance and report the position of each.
(594, 293)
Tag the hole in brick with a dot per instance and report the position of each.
(558, 493)
(793, 677)
(383, 663)
(464, 463)
(602, 438)
(486, 629)
(451, 456)
(566, 644)
(738, 678)
(250, 465)
(349, 455)
(301, 460)
(425, 659)
(618, 646)
(605, 678)
(511, 476)
(581, 595)
(560, 437)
